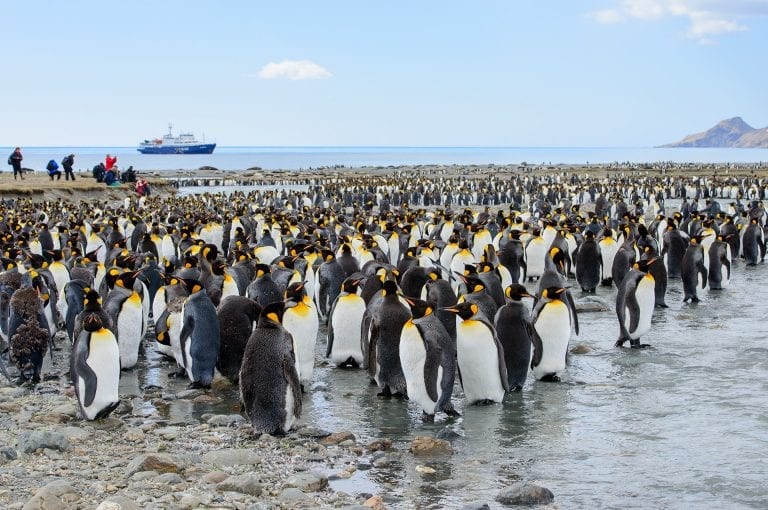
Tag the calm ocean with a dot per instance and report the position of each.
(295, 158)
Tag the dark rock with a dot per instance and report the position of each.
(476, 506)
(522, 493)
(8, 453)
(379, 445)
(448, 433)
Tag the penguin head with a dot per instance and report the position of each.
(272, 314)
(262, 270)
(91, 300)
(516, 292)
(193, 286)
(645, 264)
(351, 284)
(553, 293)
(419, 307)
(295, 292)
(127, 279)
(389, 288)
(465, 310)
(92, 322)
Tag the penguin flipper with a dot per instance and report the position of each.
(83, 371)
(634, 319)
(572, 308)
(502, 363)
(727, 264)
(292, 378)
(704, 275)
(372, 346)
(538, 348)
(329, 323)
(431, 364)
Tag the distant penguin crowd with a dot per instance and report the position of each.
(464, 298)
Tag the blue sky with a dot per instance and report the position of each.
(419, 73)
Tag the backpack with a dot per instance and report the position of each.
(52, 166)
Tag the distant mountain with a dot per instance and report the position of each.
(727, 133)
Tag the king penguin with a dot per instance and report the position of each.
(125, 309)
(95, 369)
(588, 263)
(237, 316)
(513, 328)
(551, 333)
(301, 322)
(428, 358)
(384, 345)
(199, 335)
(479, 356)
(635, 302)
(693, 270)
(344, 326)
(719, 264)
(269, 384)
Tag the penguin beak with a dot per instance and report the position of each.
(289, 303)
(450, 309)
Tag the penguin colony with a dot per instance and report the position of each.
(420, 298)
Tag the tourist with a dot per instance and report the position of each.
(67, 163)
(109, 162)
(53, 169)
(15, 160)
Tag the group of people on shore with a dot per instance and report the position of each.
(107, 172)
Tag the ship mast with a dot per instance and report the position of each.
(170, 126)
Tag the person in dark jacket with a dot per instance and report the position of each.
(66, 164)
(15, 161)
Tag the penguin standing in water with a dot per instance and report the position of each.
(588, 263)
(236, 315)
(659, 273)
(673, 250)
(719, 264)
(608, 249)
(384, 345)
(125, 309)
(90, 305)
(513, 329)
(269, 384)
(428, 358)
(199, 335)
(301, 321)
(95, 369)
(753, 243)
(330, 276)
(551, 320)
(344, 326)
(635, 302)
(694, 273)
(479, 355)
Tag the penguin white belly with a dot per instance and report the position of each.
(159, 304)
(646, 299)
(167, 248)
(61, 304)
(413, 356)
(534, 254)
(129, 330)
(104, 360)
(174, 336)
(553, 326)
(478, 361)
(347, 322)
(608, 253)
(187, 360)
(229, 288)
(302, 323)
(724, 278)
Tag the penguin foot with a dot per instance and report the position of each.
(427, 418)
(197, 385)
(550, 378)
(452, 412)
(662, 305)
(620, 342)
(385, 393)
(640, 346)
(515, 388)
(179, 373)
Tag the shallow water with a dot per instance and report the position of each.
(679, 425)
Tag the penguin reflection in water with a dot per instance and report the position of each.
(635, 302)
(269, 383)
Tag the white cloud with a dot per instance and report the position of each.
(707, 18)
(294, 70)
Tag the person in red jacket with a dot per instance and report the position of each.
(109, 162)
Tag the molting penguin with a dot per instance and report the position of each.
(263, 288)
(694, 273)
(301, 322)
(95, 369)
(428, 358)
(635, 302)
(479, 355)
(551, 319)
(28, 335)
(344, 326)
(330, 276)
(513, 329)
(236, 315)
(199, 335)
(269, 384)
